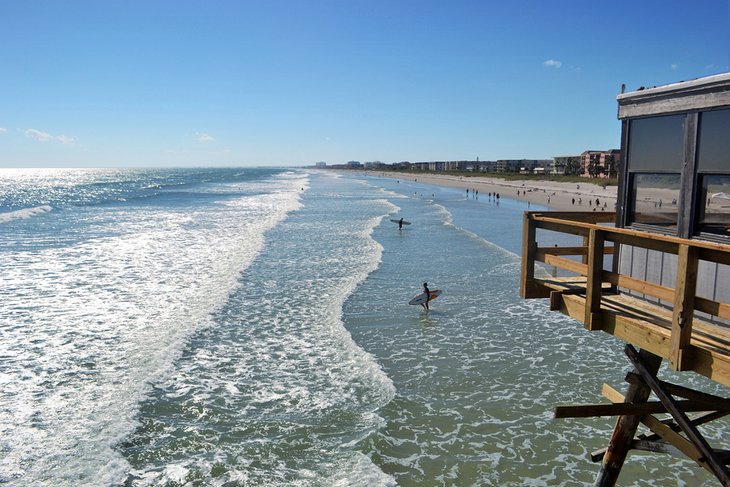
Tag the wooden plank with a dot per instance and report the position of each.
(657, 447)
(715, 255)
(713, 402)
(612, 394)
(622, 324)
(649, 376)
(697, 421)
(529, 246)
(712, 364)
(594, 285)
(711, 251)
(566, 264)
(715, 308)
(644, 240)
(556, 300)
(680, 442)
(640, 286)
(682, 446)
(628, 409)
(561, 226)
(668, 105)
(686, 214)
(623, 432)
(543, 251)
(679, 353)
(576, 216)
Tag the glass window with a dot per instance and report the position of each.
(714, 143)
(714, 204)
(657, 144)
(654, 199)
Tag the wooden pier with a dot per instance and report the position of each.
(674, 324)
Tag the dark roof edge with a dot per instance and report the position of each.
(706, 82)
(701, 93)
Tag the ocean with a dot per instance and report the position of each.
(250, 326)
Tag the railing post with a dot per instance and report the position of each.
(684, 294)
(596, 241)
(529, 248)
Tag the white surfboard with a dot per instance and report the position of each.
(421, 298)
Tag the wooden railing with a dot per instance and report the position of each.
(599, 281)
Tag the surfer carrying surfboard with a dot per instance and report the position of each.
(427, 292)
(400, 224)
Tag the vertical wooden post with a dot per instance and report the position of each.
(596, 240)
(529, 248)
(586, 242)
(684, 294)
(623, 433)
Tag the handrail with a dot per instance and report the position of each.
(595, 236)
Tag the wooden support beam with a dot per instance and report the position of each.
(560, 226)
(556, 300)
(592, 320)
(681, 443)
(567, 264)
(625, 429)
(708, 455)
(666, 430)
(643, 287)
(657, 447)
(680, 349)
(721, 310)
(627, 408)
(611, 394)
(529, 247)
(697, 421)
(716, 403)
(543, 251)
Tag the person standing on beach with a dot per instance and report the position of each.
(427, 292)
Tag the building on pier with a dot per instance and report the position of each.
(655, 274)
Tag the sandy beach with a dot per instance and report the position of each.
(556, 195)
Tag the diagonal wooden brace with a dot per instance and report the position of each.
(708, 455)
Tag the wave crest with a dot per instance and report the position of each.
(24, 213)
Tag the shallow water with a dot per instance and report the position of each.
(250, 327)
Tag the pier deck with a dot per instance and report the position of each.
(691, 332)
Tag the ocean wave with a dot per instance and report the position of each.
(24, 213)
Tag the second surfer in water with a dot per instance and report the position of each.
(428, 295)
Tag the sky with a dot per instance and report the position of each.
(154, 83)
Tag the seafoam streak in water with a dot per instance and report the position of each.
(87, 325)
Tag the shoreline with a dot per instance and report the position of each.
(555, 195)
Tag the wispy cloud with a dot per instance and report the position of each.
(46, 137)
(3, 130)
(204, 137)
(552, 63)
(674, 67)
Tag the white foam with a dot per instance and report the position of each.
(90, 326)
(24, 213)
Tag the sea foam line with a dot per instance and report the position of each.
(24, 213)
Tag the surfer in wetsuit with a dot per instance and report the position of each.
(428, 295)
(400, 224)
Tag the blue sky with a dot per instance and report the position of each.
(292, 82)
